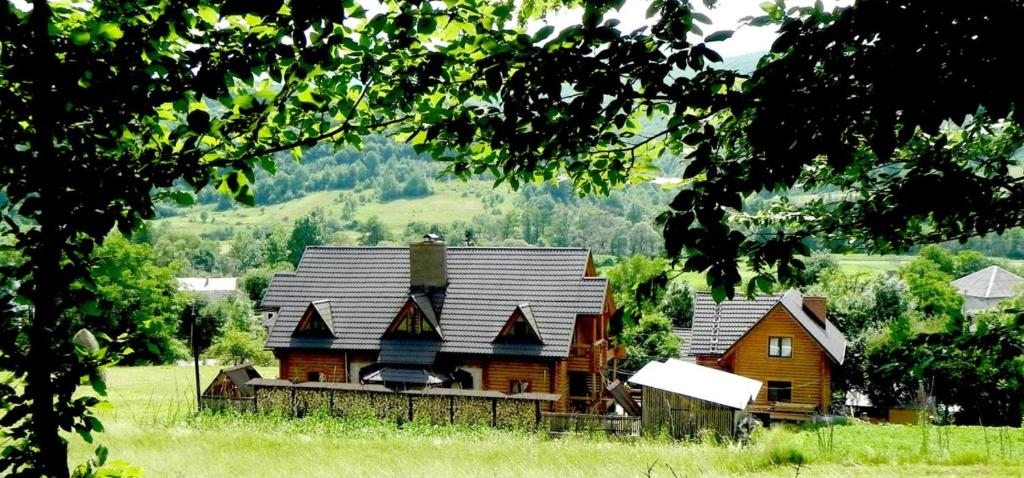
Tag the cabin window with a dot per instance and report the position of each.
(780, 346)
(780, 391)
(413, 324)
(315, 377)
(314, 327)
(520, 328)
(518, 386)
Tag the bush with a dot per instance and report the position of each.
(678, 304)
(237, 346)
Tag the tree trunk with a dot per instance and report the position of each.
(40, 387)
(46, 258)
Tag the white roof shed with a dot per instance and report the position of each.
(697, 381)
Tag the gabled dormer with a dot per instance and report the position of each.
(521, 327)
(415, 320)
(316, 321)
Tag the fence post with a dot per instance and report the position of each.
(451, 409)
(536, 404)
(255, 399)
(410, 406)
(330, 402)
(494, 412)
(294, 404)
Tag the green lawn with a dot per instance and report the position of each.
(151, 425)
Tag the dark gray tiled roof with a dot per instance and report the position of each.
(716, 327)
(826, 334)
(408, 352)
(367, 286)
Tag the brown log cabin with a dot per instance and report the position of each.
(512, 320)
(783, 340)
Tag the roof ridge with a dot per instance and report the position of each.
(507, 248)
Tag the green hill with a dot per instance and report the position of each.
(450, 202)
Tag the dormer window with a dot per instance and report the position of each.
(316, 322)
(521, 327)
(416, 320)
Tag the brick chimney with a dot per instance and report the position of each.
(428, 264)
(817, 307)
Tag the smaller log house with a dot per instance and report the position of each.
(783, 340)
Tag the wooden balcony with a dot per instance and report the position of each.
(588, 357)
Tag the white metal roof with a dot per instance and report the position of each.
(990, 282)
(696, 381)
(207, 284)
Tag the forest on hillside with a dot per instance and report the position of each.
(539, 214)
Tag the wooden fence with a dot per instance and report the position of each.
(685, 417)
(245, 404)
(437, 405)
(577, 422)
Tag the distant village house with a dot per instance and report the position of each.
(987, 288)
(212, 287)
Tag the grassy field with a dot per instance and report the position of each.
(151, 425)
(451, 201)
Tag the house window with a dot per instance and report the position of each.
(518, 386)
(520, 327)
(315, 377)
(780, 346)
(413, 324)
(314, 326)
(780, 391)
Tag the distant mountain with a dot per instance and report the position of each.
(745, 63)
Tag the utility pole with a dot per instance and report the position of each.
(195, 353)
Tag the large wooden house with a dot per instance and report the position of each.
(512, 320)
(783, 340)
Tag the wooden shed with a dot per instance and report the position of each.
(230, 388)
(684, 398)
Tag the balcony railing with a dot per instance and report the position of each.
(589, 357)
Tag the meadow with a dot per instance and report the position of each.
(151, 424)
(451, 201)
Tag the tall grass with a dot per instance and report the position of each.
(153, 424)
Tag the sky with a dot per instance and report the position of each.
(725, 16)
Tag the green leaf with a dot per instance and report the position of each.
(426, 25)
(111, 31)
(208, 14)
(718, 293)
(198, 121)
(543, 33)
(101, 455)
(182, 198)
(719, 36)
(700, 17)
(80, 37)
(98, 384)
(90, 308)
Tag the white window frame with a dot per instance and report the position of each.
(780, 347)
